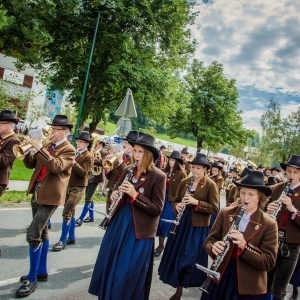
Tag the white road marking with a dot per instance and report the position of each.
(17, 279)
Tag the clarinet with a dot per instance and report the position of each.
(212, 273)
(275, 212)
(113, 207)
(176, 222)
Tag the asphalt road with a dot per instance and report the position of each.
(69, 270)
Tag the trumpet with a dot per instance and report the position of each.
(20, 150)
(108, 163)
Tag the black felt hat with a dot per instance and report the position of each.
(84, 136)
(176, 155)
(276, 169)
(294, 161)
(162, 147)
(133, 135)
(147, 141)
(235, 170)
(260, 167)
(254, 180)
(245, 172)
(200, 159)
(184, 151)
(61, 120)
(271, 180)
(217, 165)
(7, 115)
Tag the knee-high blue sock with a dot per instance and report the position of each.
(49, 222)
(72, 229)
(84, 211)
(42, 269)
(34, 256)
(268, 296)
(91, 210)
(65, 227)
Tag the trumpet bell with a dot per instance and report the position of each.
(20, 150)
(108, 164)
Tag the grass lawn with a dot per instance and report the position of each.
(19, 171)
(110, 127)
(12, 197)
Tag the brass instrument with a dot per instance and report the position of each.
(108, 163)
(240, 167)
(20, 150)
(213, 273)
(96, 170)
(252, 164)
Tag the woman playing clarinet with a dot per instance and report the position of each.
(252, 245)
(186, 248)
(175, 173)
(123, 267)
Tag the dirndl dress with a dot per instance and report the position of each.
(163, 228)
(295, 280)
(123, 261)
(227, 289)
(183, 250)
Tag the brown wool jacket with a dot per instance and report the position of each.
(292, 226)
(81, 169)
(175, 179)
(258, 257)
(219, 180)
(59, 165)
(7, 157)
(232, 195)
(208, 196)
(99, 178)
(149, 204)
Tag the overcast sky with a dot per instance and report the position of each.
(258, 43)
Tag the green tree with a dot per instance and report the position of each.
(210, 111)
(280, 136)
(14, 98)
(140, 44)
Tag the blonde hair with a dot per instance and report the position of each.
(148, 160)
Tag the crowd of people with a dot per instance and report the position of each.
(253, 241)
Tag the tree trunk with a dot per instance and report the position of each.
(93, 125)
(199, 145)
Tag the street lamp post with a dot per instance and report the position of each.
(103, 7)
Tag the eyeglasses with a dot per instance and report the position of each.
(3, 123)
(56, 129)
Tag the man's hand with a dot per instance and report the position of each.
(36, 143)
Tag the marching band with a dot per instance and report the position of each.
(254, 241)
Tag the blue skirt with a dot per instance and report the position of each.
(183, 250)
(123, 261)
(295, 280)
(227, 289)
(163, 228)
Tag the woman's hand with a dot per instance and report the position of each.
(179, 207)
(128, 188)
(114, 195)
(272, 206)
(188, 199)
(238, 239)
(233, 204)
(218, 247)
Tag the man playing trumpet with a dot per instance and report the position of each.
(52, 164)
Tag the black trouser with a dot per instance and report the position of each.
(280, 275)
(89, 192)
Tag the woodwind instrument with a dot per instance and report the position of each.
(176, 222)
(213, 273)
(274, 214)
(113, 207)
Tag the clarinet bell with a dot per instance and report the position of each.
(103, 223)
(205, 285)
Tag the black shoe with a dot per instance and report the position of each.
(39, 277)
(26, 288)
(78, 222)
(49, 226)
(59, 246)
(88, 220)
(70, 242)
